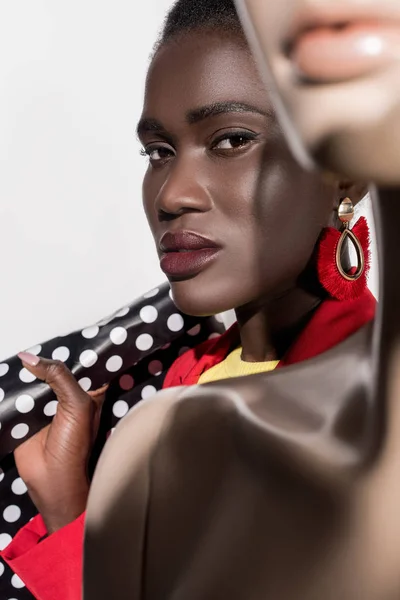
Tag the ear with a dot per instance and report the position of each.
(355, 191)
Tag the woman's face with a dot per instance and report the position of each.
(336, 66)
(234, 218)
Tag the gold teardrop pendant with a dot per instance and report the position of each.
(359, 251)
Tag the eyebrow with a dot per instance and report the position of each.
(218, 108)
(149, 125)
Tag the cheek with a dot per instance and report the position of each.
(149, 194)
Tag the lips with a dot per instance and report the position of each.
(331, 47)
(185, 254)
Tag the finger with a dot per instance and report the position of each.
(98, 396)
(53, 372)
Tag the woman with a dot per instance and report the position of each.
(229, 235)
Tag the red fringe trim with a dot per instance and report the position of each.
(328, 273)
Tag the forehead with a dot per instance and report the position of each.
(201, 68)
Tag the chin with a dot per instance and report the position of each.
(198, 300)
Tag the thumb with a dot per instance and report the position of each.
(70, 395)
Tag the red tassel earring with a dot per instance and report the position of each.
(339, 283)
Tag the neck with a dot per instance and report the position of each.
(267, 329)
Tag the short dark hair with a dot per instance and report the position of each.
(187, 15)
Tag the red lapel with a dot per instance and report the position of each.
(332, 323)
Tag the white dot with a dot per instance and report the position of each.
(2, 394)
(5, 539)
(155, 367)
(26, 376)
(1, 569)
(88, 358)
(90, 332)
(17, 582)
(51, 408)
(12, 513)
(219, 318)
(35, 349)
(62, 353)
(124, 311)
(151, 293)
(148, 314)
(24, 403)
(4, 368)
(19, 431)
(85, 383)
(195, 330)
(144, 342)
(147, 391)
(1, 474)
(18, 486)
(175, 322)
(120, 408)
(118, 335)
(114, 364)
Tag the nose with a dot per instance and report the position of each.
(184, 190)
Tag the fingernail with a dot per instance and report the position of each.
(29, 359)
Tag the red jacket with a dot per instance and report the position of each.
(52, 569)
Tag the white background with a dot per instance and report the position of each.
(74, 242)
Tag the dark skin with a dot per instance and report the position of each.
(203, 177)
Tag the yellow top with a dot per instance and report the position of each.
(234, 366)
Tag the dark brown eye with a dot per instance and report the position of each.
(231, 141)
(157, 153)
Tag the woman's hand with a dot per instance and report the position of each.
(53, 463)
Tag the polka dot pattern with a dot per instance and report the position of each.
(24, 403)
(149, 314)
(90, 332)
(18, 487)
(155, 367)
(148, 391)
(88, 358)
(126, 382)
(17, 582)
(61, 353)
(144, 342)
(175, 322)
(85, 383)
(36, 350)
(114, 364)
(118, 335)
(20, 431)
(12, 513)
(26, 376)
(2, 394)
(151, 293)
(120, 408)
(4, 368)
(51, 408)
(138, 366)
(5, 539)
